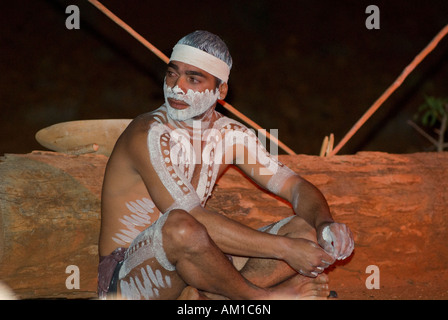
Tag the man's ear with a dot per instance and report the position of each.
(223, 88)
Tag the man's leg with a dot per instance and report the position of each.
(177, 251)
(267, 273)
(172, 254)
(146, 273)
(200, 263)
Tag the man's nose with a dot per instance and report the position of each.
(181, 82)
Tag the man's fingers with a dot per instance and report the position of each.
(327, 257)
(308, 273)
(342, 241)
(328, 248)
(340, 244)
(347, 244)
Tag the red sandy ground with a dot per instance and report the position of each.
(430, 286)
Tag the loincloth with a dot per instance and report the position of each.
(108, 269)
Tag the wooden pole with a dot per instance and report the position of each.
(164, 58)
(391, 88)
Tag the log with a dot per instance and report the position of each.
(394, 204)
(50, 213)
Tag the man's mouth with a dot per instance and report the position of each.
(177, 104)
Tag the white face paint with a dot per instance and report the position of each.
(199, 102)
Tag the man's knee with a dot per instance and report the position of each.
(183, 232)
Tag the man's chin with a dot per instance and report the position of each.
(177, 114)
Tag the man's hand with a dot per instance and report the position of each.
(307, 257)
(336, 239)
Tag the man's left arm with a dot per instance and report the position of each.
(307, 200)
(310, 204)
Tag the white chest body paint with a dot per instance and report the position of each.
(139, 215)
(184, 159)
(188, 163)
(187, 160)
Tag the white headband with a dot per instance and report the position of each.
(201, 60)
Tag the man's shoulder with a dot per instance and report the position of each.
(230, 129)
(137, 131)
(144, 122)
(225, 123)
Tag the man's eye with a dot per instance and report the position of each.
(170, 74)
(194, 80)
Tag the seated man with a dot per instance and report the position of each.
(157, 238)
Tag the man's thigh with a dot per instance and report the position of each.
(150, 281)
(146, 273)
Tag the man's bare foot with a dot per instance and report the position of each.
(190, 293)
(295, 288)
(301, 287)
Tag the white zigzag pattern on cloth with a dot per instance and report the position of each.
(152, 282)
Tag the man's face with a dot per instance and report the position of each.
(187, 77)
(190, 91)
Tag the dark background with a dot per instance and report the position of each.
(306, 68)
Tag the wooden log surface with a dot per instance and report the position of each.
(50, 213)
(394, 204)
